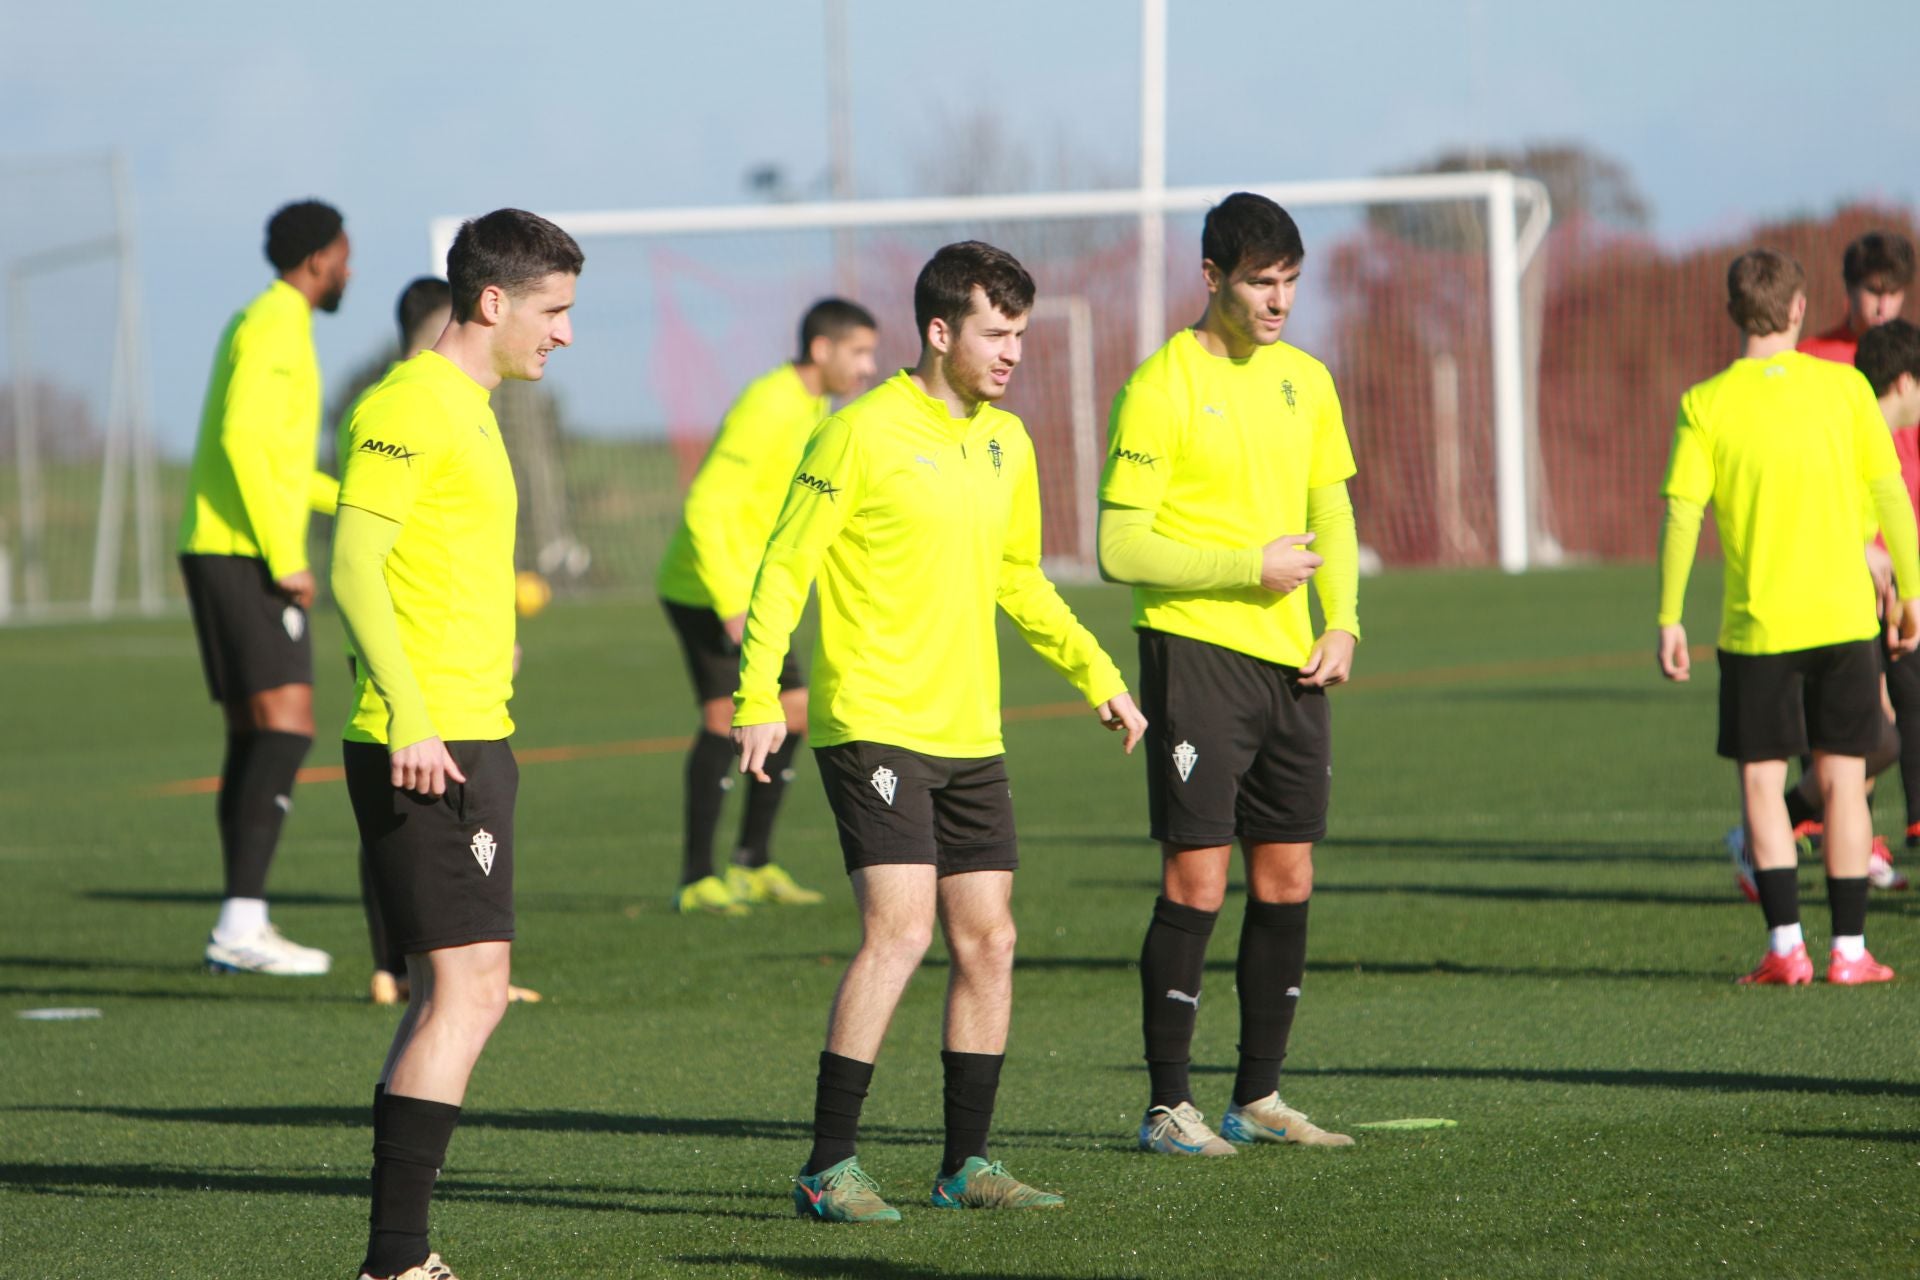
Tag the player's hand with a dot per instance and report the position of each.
(518, 653)
(1904, 641)
(736, 628)
(756, 743)
(1120, 715)
(1676, 660)
(1331, 661)
(1286, 564)
(1880, 565)
(298, 587)
(425, 768)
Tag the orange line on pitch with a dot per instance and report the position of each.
(1429, 677)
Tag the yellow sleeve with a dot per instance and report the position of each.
(715, 503)
(1133, 554)
(1337, 542)
(361, 543)
(1036, 609)
(323, 493)
(255, 410)
(1690, 464)
(1141, 437)
(1679, 535)
(394, 443)
(825, 491)
(1895, 509)
(1332, 451)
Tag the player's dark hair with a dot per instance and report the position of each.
(1886, 351)
(834, 319)
(1881, 259)
(510, 248)
(420, 299)
(946, 284)
(1761, 284)
(1252, 230)
(298, 231)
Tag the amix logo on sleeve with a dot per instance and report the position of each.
(397, 451)
(816, 484)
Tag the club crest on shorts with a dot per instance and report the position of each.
(885, 781)
(294, 621)
(483, 847)
(1184, 758)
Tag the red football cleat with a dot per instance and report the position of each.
(1794, 969)
(1881, 873)
(1852, 973)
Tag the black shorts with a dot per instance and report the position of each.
(252, 638)
(442, 867)
(713, 659)
(896, 806)
(1235, 746)
(1774, 706)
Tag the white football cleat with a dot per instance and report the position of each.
(265, 951)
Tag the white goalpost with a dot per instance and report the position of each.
(1095, 228)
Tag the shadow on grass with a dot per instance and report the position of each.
(215, 990)
(858, 1268)
(91, 964)
(1487, 892)
(1393, 968)
(1715, 1081)
(98, 1179)
(195, 897)
(1856, 1135)
(599, 1122)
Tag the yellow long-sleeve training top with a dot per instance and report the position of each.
(918, 524)
(253, 482)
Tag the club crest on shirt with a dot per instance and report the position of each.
(1184, 758)
(993, 451)
(483, 847)
(295, 621)
(1286, 389)
(885, 781)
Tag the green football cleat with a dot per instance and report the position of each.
(708, 896)
(842, 1193)
(771, 884)
(983, 1184)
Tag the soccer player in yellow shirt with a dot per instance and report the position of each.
(423, 572)
(918, 505)
(243, 552)
(1229, 457)
(706, 577)
(1788, 448)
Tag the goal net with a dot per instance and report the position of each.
(679, 309)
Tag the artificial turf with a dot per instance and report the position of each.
(1522, 923)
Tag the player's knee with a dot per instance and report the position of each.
(900, 946)
(989, 950)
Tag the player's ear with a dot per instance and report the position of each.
(492, 304)
(939, 336)
(1211, 273)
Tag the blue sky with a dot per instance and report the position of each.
(399, 111)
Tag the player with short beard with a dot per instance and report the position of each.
(919, 506)
(243, 552)
(1228, 458)
(423, 572)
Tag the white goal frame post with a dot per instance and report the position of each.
(1518, 214)
(128, 460)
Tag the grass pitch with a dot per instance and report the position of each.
(1523, 924)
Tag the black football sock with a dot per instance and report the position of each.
(763, 802)
(1847, 900)
(1273, 959)
(709, 777)
(838, 1093)
(972, 1081)
(410, 1137)
(1779, 896)
(256, 794)
(1172, 962)
(1799, 808)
